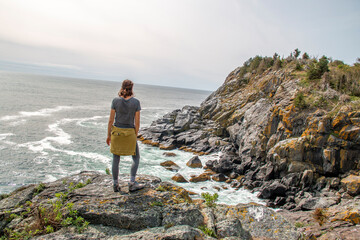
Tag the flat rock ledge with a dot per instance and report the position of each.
(159, 211)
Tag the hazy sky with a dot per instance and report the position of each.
(182, 43)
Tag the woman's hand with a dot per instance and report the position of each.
(108, 140)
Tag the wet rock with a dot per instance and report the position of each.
(169, 154)
(179, 178)
(170, 165)
(194, 162)
(219, 177)
(201, 178)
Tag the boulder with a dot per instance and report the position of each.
(175, 232)
(194, 162)
(219, 177)
(169, 154)
(307, 178)
(273, 190)
(179, 178)
(231, 228)
(351, 184)
(201, 178)
(170, 165)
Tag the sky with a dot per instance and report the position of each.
(180, 43)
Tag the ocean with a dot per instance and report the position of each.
(51, 127)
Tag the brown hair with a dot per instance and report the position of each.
(126, 88)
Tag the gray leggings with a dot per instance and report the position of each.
(134, 166)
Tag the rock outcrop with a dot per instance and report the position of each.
(159, 211)
(285, 135)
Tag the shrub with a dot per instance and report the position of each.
(317, 69)
(39, 188)
(107, 171)
(299, 101)
(321, 102)
(210, 199)
(305, 56)
(298, 67)
(277, 64)
(345, 79)
(296, 53)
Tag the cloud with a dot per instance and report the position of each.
(182, 43)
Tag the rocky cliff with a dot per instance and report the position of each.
(288, 128)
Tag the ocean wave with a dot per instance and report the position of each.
(61, 137)
(3, 137)
(81, 121)
(40, 113)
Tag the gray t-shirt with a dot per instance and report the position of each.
(125, 111)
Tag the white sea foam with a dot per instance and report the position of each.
(50, 178)
(60, 137)
(40, 113)
(17, 123)
(82, 121)
(90, 155)
(3, 137)
(150, 164)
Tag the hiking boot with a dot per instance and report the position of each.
(134, 186)
(116, 188)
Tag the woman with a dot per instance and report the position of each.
(121, 137)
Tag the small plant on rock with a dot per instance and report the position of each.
(320, 215)
(299, 101)
(39, 188)
(156, 203)
(160, 189)
(207, 231)
(210, 199)
(299, 224)
(107, 171)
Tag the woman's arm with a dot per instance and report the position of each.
(111, 122)
(137, 122)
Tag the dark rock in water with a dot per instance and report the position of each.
(170, 165)
(194, 162)
(169, 154)
(210, 164)
(219, 177)
(233, 175)
(179, 178)
(201, 178)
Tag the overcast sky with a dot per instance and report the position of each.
(181, 43)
